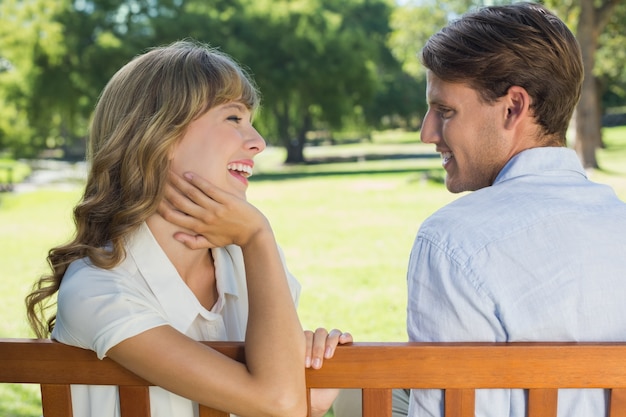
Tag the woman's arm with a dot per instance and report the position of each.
(272, 381)
(320, 344)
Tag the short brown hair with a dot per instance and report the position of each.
(522, 44)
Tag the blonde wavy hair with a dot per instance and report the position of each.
(142, 112)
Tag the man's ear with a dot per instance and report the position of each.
(517, 103)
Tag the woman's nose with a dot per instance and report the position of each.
(256, 141)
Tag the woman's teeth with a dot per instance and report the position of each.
(243, 169)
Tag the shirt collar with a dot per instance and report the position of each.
(542, 160)
(178, 301)
(226, 268)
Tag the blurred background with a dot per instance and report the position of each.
(328, 69)
(345, 180)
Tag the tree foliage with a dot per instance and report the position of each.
(322, 65)
(318, 63)
(28, 34)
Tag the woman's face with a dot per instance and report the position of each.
(220, 146)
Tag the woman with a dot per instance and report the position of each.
(130, 288)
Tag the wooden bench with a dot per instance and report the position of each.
(376, 368)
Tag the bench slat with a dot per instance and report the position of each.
(56, 400)
(134, 401)
(618, 403)
(542, 402)
(376, 402)
(459, 402)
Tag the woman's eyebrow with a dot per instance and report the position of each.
(235, 105)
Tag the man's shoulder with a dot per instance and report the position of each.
(521, 204)
(462, 226)
(474, 207)
(476, 219)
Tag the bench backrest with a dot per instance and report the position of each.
(376, 368)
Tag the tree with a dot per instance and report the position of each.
(27, 32)
(64, 58)
(610, 59)
(399, 100)
(315, 63)
(413, 24)
(593, 19)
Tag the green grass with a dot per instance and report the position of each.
(612, 161)
(346, 228)
(31, 223)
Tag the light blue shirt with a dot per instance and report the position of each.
(538, 256)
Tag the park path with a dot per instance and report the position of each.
(52, 173)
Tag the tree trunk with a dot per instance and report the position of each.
(593, 18)
(599, 113)
(292, 143)
(587, 120)
(295, 152)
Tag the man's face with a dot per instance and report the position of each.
(467, 132)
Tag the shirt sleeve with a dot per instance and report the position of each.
(96, 309)
(446, 301)
(445, 304)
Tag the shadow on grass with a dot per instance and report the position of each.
(369, 157)
(425, 172)
(430, 174)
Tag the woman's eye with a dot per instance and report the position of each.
(235, 119)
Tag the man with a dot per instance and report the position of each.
(536, 251)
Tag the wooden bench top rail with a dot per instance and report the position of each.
(459, 368)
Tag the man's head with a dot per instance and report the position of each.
(520, 44)
(524, 67)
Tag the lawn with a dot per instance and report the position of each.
(346, 224)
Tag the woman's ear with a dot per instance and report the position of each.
(517, 106)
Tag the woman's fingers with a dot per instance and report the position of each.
(321, 345)
(212, 216)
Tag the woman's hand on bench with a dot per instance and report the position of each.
(321, 345)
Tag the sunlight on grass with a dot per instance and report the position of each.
(32, 223)
(346, 228)
(17, 400)
(612, 161)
